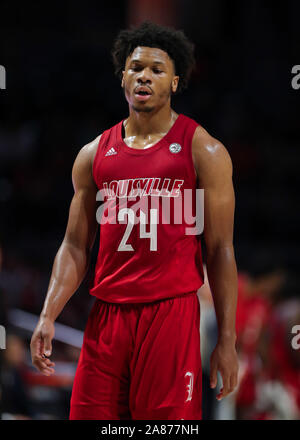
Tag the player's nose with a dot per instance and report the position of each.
(144, 76)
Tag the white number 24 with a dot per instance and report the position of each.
(152, 234)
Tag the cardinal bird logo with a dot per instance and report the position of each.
(190, 385)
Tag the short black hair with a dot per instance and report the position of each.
(149, 34)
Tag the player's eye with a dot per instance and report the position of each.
(157, 71)
(136, 68)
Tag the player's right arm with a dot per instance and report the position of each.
(72, 259)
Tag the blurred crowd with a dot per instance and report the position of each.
(268, 309)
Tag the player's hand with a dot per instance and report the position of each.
(225, 360)
(41, 346)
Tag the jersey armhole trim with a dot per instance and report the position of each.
(95, 160)
(191, 167)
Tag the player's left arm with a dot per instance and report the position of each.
(214, 169)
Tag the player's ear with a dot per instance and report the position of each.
(122, 82)
(175, 82)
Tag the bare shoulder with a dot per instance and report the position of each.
(210, 156)
(89, 150)
(83, 165)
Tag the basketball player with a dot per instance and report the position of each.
(140, 357)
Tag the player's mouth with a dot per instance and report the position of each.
(142, 93)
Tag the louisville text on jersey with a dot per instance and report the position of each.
(154, 186)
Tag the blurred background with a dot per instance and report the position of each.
(61, 93)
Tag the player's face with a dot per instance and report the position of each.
(149, 79)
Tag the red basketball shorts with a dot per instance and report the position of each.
(140, 362)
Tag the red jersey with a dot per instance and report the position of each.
(145, 253)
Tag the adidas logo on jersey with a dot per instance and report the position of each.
(111, 152)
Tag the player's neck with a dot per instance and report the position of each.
(145, 124)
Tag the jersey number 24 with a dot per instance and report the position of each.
(152, 234)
